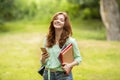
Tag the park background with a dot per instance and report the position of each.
(24, 24)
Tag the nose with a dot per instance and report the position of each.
(58, 21)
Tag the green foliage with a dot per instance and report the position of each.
(42, 10)
(21, 9)
(6, 9)
(88, 9)
(14, 10)
(118, 1)
(86, 13)
(25, 10)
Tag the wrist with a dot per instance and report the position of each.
(42, 61)
(71, 65)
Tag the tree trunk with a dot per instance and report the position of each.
(111, 19)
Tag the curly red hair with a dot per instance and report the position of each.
(67, 31)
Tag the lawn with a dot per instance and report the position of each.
(20, 53)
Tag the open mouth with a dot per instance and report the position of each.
(57, 23)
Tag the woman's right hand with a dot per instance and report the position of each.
(44, 56)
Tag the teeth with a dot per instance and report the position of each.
(57, 23)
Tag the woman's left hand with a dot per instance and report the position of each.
(67, 66)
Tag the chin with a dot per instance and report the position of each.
(58, 28)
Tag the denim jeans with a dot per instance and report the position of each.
(58, 75)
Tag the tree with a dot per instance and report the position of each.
(111, 18)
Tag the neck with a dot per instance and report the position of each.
(58, 33)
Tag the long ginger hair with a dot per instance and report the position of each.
(67, 31)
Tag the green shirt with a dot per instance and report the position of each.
(53, 62)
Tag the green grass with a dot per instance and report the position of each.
(20, 53)
(100, 61)
(19, 56)
(82, 30)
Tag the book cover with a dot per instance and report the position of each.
(66, 55)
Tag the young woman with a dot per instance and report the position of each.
(59, 34)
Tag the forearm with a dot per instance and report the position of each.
(42, 61)
(44, 57)
(73, 63)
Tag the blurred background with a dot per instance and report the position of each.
(95, 24)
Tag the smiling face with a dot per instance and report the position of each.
(59, 21)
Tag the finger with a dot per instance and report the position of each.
(46, 56)
(65, 63)
(65, 69)
(44, 53)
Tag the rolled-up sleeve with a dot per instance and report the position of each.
(77, 55)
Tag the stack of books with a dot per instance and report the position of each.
(67, 56)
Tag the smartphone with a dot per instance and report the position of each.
(43, 50)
